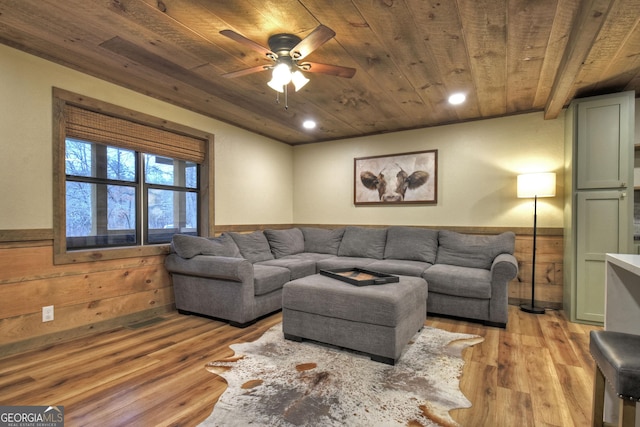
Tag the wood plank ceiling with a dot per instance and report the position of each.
(508, 56)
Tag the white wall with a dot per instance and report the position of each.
(262, 181)
(477, 167)
(253, 173)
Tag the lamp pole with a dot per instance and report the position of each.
(532, 308)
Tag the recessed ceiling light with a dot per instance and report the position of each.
(309, 124)
(457, 98)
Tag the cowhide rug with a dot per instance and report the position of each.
(275, 382)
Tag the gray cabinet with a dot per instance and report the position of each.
(598, 197)
(601, 214)
(605, 145)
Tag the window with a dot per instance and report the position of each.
(105, 191)
(171, 193)
(101, 195)
(124, 183)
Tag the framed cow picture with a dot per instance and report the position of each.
(406, 178)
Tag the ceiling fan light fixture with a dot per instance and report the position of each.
(287, 51)
(273, 84)
(281, 75)
(299, 80)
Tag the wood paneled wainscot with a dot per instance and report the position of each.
(87, 297)
(549, 269)
(100, 295)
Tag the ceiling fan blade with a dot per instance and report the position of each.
(334, 70)
(317, 38)
(245, 41)
(246, 71)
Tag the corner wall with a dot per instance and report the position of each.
(257, 181)
(250, 171)
(477, 167)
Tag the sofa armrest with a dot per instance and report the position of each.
(210, 266)
(216, 286)
(504, 268)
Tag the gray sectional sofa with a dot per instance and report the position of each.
(239, 276)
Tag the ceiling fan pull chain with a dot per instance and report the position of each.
(286, 98)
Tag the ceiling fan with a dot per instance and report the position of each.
(287, 52)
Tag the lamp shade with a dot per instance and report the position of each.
(281, 74)
(537, 185)
(299, 80)
(280, 77)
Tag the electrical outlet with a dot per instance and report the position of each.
(47, 313)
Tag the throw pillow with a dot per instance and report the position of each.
(363, 242)
(253, 246)
(410, 243)
(187, 246)
(285, 242)
(467, 250)
(322, 240)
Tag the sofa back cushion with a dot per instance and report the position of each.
(322, 240)
(363, 242)
(285, 242)
(187, 246)
(410, 243)
(253, 246)
(467, 250)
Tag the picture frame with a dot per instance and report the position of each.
(396, 179)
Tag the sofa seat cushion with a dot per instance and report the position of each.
(315, 257)
(343, 262)
(363, 242)
(399, 266)
(268, 278)
(411, 243)
(298, 267)
(285, 242)
(468, 250)
(385, 305)
(459, 281)
(253, 246)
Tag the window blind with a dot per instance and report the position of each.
(98, 127)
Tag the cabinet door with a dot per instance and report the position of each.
(600, 229)
(604, 142)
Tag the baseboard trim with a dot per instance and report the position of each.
(49, 340)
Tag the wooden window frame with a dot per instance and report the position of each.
(62, 99)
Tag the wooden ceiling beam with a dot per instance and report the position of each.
(612, 63)
(565, 13)
(591, 15)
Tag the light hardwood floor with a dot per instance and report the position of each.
(537, 372)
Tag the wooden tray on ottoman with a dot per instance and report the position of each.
(360, 276)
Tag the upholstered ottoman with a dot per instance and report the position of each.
(378, 320)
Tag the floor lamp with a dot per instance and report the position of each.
(534, 185)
